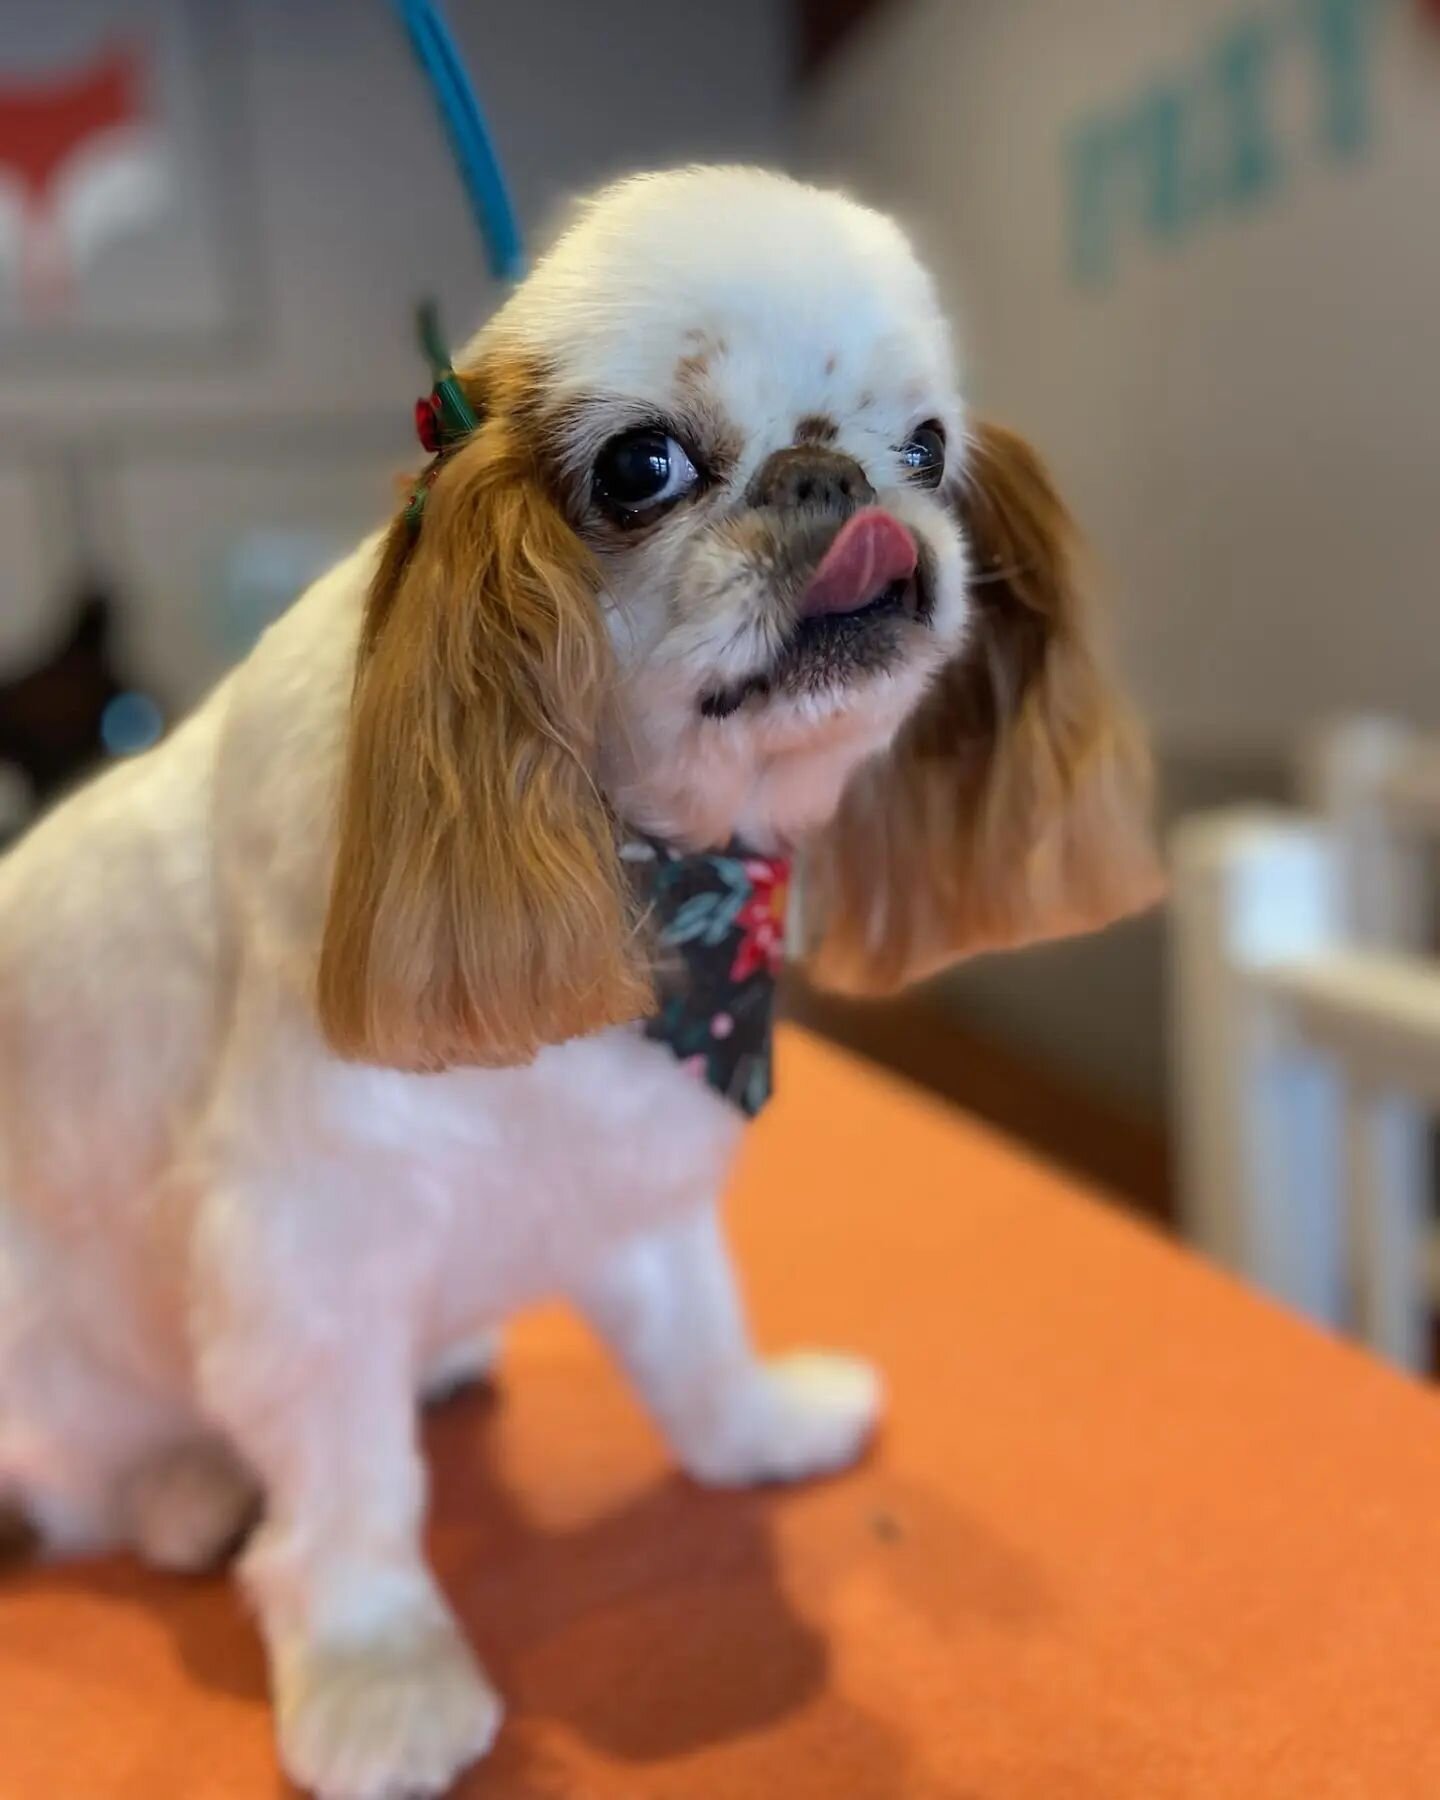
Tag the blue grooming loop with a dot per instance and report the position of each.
(464, 123)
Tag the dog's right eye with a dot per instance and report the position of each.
(924, 454)
(641, 471)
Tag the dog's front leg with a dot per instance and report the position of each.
(666, 1304)
(308, 1366)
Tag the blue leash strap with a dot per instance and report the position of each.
(464, 124)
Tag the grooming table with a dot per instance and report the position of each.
(1130, 1533)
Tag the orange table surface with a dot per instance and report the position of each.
(1129, 1534)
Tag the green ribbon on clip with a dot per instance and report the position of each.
(444, 419)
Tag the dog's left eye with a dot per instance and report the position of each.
(923, 454)
(640, 471)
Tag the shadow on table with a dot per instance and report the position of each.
(651, 1632)
(662, 1628)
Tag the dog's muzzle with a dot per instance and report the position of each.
(850, 573)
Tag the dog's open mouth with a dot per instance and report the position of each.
(853, 615)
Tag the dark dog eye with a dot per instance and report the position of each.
(641, 470)
(924, 454)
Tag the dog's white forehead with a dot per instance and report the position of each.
(783, 299)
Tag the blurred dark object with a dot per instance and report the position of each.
(821, 25)
(51, 717)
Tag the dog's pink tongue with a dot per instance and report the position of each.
(872, 550)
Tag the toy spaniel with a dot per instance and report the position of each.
(427, 969)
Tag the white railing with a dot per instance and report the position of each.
(1306, 1009)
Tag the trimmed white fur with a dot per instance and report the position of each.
(227, 1253)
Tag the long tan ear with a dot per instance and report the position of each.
(478, 909)
(1014, 805)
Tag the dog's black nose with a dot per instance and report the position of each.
(807, 475)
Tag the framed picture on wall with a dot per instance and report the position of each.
(126, 213)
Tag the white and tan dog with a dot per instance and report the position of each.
(318, 1041)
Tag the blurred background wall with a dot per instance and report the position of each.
(206, 383)
(1195, 246)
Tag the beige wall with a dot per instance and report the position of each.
(1246, 415)
(349, 208)
(1248, 419)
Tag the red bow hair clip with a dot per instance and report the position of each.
(444, 418)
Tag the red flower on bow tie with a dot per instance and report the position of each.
(762, 918)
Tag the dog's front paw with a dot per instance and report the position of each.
(805, 1414)
(395, 1720)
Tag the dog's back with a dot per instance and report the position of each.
(107, 1003)
(107, 929)
(121, 927)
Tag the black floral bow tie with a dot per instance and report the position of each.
(718, 921)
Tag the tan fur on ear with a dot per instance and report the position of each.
(1015, 803)
(478, 909)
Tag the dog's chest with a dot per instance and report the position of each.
(533, 1174)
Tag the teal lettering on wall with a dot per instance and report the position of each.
(1159, 140)
(1240, 77)
(1342, 34)
(1205, 142)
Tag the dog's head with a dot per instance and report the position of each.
(724, 557)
